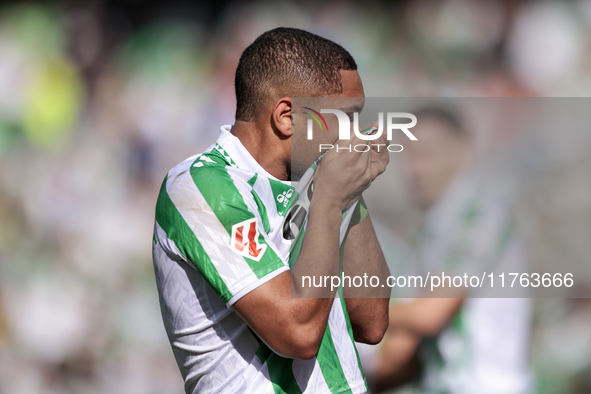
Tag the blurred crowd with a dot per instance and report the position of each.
(98, 99)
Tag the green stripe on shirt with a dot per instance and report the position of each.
(179, 232)
(330, 364)
(223, 197)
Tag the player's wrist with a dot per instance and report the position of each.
(333, 197)
(326, 206)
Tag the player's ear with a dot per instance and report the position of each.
(281, 116)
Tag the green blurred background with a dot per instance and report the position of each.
(98, 99)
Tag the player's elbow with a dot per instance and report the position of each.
(376, 335)
(307, 351)
(307, 342)
(371, 334)
(299, 343)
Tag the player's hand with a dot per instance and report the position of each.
(343, 174)
(379, 153)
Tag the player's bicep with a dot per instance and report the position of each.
(263, 308)
(272, 314)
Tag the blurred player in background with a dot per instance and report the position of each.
(224, 268)
(4, 334)
(461, 345)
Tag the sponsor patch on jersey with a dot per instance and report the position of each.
(245, 240)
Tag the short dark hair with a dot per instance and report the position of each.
(287, 62)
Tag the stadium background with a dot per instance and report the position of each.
(98, 99)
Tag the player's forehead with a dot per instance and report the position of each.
(350, 99)
(352, 86)
(352, 96)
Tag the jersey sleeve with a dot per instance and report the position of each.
(213, 222)
(360, 212)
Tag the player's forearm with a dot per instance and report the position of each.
(287, 312)
(369, 318)
(367, 304)
(318, 258)
(305, 309)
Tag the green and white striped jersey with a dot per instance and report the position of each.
(219, 235)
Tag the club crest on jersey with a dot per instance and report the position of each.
(244, 240)
(297, 214)
(284, 197)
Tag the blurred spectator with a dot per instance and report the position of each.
(462, 344)
(99, 98)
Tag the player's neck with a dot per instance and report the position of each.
(265, 146)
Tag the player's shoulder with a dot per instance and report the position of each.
(213, 168)
(209, 167)
(211, 175)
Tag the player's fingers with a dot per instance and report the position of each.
(373, 129)
(329, 154)
(383, 137)
(377, 124)
(359, 146)
(364, 157)
(368, 175)
(343, 146)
